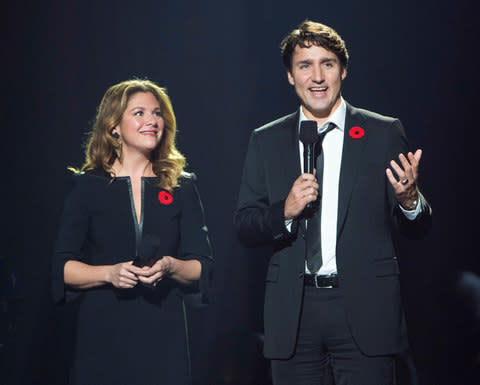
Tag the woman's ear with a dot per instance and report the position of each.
(115, 134)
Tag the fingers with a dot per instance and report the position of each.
(409, 167)
(127, 270)
(123, 275)
(415, 161)
(161, 266)
(405, 188)
(145, 271)
(159, 270)
(305, 184)
(125, 280)
(128, 275)
(398, 170)
(418, 155)
(152, 279)
(148, 271)
(126, 283)
(130, 267)
(303, 191)
(305, 178)
(414, 165)
(390, 177)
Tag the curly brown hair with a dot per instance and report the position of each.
(311, 33)
(102, 148)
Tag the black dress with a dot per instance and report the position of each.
(139, 335)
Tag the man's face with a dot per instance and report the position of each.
(317, 76)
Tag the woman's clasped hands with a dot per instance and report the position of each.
(126, 275)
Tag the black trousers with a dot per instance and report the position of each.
(326, 353)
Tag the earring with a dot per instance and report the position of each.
(115, 135)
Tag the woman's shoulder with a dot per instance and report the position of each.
(90, 178)
(91, 174)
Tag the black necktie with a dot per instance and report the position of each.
(313, 238)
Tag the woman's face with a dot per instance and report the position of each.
(141, 127)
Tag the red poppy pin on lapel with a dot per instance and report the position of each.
(356, 132)
(165, 198)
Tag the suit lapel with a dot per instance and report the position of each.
(354, 142)
(289, 151)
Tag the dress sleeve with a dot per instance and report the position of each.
(195, 244)
(70, 239)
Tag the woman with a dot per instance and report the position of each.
(132, 244)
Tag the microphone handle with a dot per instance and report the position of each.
(308, 160)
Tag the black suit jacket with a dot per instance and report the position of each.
(368, 214)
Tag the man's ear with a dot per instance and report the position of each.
(344, 73)
(291, 80)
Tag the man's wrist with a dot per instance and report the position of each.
(410, 205)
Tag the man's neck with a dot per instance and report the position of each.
(321, 120)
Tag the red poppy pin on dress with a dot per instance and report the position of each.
(356, 132)
(165, 198)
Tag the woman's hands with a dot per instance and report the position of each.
(126, 275)
(123, 275)
(151, 275)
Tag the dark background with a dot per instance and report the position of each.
(221, 65)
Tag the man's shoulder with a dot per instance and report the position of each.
(370, 115)
(278, 125)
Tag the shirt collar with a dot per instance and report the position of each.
(337, 117)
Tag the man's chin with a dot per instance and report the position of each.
(319, 112)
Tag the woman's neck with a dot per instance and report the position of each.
(133, 166)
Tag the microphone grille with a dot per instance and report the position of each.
(308, 131)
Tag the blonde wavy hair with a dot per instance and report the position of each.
(102, 148)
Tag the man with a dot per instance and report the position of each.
(337, 304)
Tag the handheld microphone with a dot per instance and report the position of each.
(308, 136)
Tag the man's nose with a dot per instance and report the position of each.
(317, 74)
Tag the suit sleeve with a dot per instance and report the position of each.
(195, 244)
(257, 220)
(419, 227)
(70, 240)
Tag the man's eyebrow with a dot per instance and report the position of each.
(305, 61)
(324, 60)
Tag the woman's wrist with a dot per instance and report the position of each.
(171, 265)
(107, 274)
